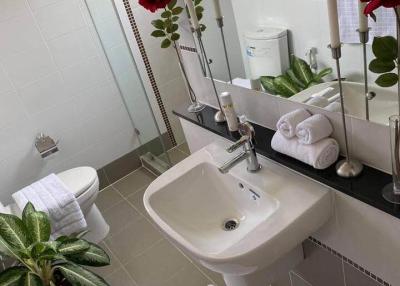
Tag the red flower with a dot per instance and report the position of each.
(375, 4)
(154, 5)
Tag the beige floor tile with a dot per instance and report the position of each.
(120, 278)
(136, 238)
(119, 216)
(216, 278)
(157, 265)
(184, 148)
(188, 276)
(108, 198)
(107, 270)
(134, 182)
(137, 201)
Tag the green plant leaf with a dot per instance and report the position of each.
(175, 18)
(158, 33)
(80, 276)
(323, 73)
(94, 256)
(381, 66)
(172, 28)
(28, 209)
(302, 70)
(385, 48)
(387, 79)
(199, 16)
(38, 226)
(202, 27)
(292, 76)
(31, 279)
(158, 24)
(12, 276)
(177, 10)
(199, 9)
(197, 2)
(13, 231)
(268, 84)
(10, 251)
(175, 37)
(171, 4)
(166, 43)
(41, 249)
(166, 14)
(73, 246)
(285, 87)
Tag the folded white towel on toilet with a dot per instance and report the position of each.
(335, 107)
(318, 101)
(320, 155)
(50, 195)
(313, 129)
(287, 123)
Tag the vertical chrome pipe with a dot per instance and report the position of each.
(220, 23)
(364, 38)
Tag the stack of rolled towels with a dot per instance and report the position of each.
(305, 137)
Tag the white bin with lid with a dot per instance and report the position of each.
(267, 51)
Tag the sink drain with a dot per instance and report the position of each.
(230, 224)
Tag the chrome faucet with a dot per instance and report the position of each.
(247, 140)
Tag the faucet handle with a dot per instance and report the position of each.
(243, 140)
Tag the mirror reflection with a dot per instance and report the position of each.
(280, 49)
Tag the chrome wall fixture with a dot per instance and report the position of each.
(348, 167)
(46, 145)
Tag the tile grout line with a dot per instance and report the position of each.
(299, 276)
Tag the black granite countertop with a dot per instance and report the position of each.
(367, 187)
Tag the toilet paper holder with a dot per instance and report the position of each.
(46, 145)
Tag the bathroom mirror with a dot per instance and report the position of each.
(261, 38)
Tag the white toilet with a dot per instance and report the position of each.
(84, 183)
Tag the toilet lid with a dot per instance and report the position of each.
(78, 180)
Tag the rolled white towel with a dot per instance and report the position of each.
(287, 123)
(335, 107)
(313, 129)
(318, 101)
(320, 155)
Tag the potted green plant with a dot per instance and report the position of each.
(40, 261)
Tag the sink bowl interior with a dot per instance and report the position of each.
(197, 204)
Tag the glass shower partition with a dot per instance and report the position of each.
(112, 38)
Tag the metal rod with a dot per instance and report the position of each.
(220, 22)
(192, 94)
(398, 56)
(364, 38)
(209, 68)
(336, 54)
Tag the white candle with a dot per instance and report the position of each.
(193, 16)
(334, 23)
(363, 19)
(218, 11)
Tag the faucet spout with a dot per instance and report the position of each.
(233, 162)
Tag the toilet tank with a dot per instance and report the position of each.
(267, 51)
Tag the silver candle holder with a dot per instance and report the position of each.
(364, 39)
(347, 168)
(219, 116)
(220, 23)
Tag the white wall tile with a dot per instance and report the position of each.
(59, 18)
(121, 60)
(28, 36)
(85, 74)
(12, 8)
(11, 110)
(26, 67)
(45, 93)
(5, 83)
(110, 33)
(73, 48)
(36, 4)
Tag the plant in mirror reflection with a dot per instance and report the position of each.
(385, 49)
(40, 261)
(297, 78)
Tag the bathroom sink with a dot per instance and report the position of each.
(240, 222)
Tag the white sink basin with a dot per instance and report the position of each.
(274, 211)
